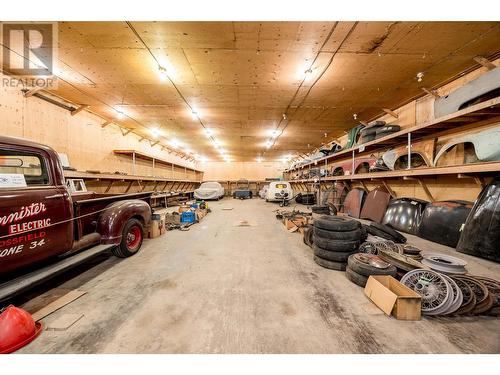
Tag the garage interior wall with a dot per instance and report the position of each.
(241, 170)
(81, 137)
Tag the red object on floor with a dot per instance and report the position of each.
(17, 329)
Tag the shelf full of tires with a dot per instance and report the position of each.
(379, 251)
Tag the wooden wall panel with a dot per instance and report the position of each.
(81, 137)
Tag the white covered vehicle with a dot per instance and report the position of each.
(209, 190)
(278, 190)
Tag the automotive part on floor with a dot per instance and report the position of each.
(436, 291)
(481, 232)
(337, 266)
(441, 222)
(375, 204)
(354, 202)
(356, 278)
(386, 232)
(306, 198)
(404, 214)
(369, 264)
(445, 263)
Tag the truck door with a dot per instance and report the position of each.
(35, 209)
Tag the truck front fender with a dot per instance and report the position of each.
(111, 221)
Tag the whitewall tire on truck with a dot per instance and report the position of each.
(132, 237)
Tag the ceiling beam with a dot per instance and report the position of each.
(485, 62)
(79, 109)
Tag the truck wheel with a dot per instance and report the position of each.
(132, 236)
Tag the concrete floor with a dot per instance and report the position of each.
(219, 288)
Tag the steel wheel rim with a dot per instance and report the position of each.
(457, 296)
(134, 237)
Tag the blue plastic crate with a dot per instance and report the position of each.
(188, 217)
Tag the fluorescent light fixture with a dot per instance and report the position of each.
(120, 114)
(155, 132)
(275, 133)
(174, 143)
(208, 132)
(195, 115)
(163, 73)
(308, 74)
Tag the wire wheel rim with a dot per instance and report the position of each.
(436, 292)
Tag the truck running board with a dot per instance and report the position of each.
(25, 282)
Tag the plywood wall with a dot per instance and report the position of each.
(81, 137)
(241, 170)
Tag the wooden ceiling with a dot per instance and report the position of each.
(242, 76)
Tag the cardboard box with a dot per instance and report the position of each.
(172, 218)
(157, 227)
(394, 298)
(200, 214)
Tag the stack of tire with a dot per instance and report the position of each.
(335, 239)
(361, 266)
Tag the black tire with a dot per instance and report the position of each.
(336, 223)
(352, 235)
(308, 235)
(325, 210)
(398, 236)
(367, 270)
(389, 129)
(364, 234)
(338, 266)
(335, 256)
(336, 245)
(366, 138)
(355, 277)
(132, 237)
(379, 233)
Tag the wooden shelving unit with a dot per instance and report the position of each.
(138, 155)
(479, 113)
(107, 181)
(467, 169)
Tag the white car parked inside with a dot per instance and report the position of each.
(209, 190)
(278, 190)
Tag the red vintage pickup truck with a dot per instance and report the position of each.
(42, 223)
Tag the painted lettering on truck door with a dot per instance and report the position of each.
(35, 213)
